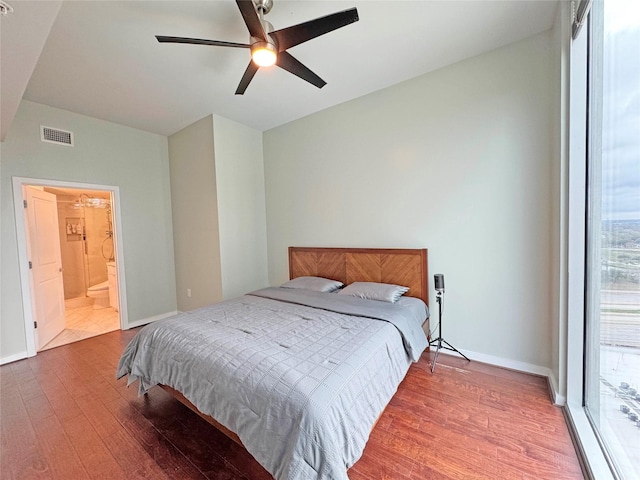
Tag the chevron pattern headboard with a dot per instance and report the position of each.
(406, 267)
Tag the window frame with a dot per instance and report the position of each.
(596, 460)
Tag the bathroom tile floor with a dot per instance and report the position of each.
(83, 321)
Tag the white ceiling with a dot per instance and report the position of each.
(101, 58)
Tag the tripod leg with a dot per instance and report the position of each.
(439, 341)
(435, 359)
(451, 347)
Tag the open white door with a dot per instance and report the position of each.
(46, 264)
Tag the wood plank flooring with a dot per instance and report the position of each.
(63, 415)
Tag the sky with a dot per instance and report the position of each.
(621, 111)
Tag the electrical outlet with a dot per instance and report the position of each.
(189, 292)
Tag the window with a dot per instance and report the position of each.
(612, 289)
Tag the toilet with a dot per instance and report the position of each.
(100, 294)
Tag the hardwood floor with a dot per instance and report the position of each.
(63, 415)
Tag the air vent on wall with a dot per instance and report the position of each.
(55, 135)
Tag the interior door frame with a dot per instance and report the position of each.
(19, 183)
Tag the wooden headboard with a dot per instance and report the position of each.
(406, 267)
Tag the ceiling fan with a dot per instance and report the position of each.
(269, 46)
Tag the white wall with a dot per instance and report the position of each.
(241, 207)
(105, 154)
(459, 161)
(195, 215)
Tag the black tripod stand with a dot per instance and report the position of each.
(439, 341)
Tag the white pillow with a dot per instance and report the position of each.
(317, 284)
(383, 292)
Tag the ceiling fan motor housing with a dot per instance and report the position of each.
(268, 28)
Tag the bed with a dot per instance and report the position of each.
(298, 377)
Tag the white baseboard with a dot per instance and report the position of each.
(556, 398)
(144, 321)
(13, 358)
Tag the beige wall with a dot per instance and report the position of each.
(71, 248)
(195, 215)
(459, 161)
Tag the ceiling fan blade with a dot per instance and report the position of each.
(251, 70)
(200, 41)
(292, 65)
(248, 11)
(295, 35)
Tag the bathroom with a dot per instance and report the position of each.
(85, 224)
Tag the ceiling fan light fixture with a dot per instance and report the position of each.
(264, 54)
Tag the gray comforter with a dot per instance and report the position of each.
(301, 385)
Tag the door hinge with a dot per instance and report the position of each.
(24, 202)
(30, 265)
(35, 324)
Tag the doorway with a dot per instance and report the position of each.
(85, 241)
